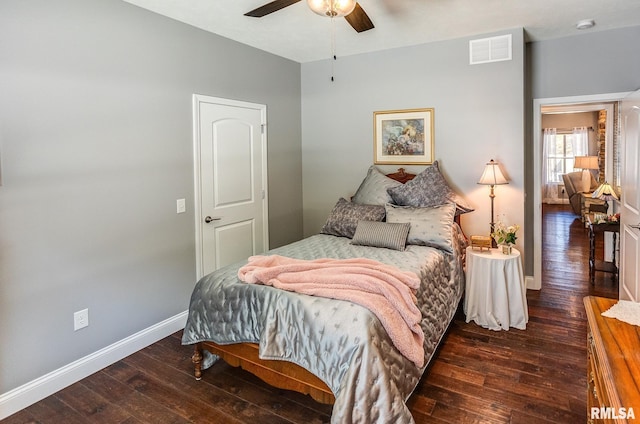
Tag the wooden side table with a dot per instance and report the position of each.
(595, 264)
(495, 295)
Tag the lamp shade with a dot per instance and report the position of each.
(492, 174)
(332, 8)
(586, 162)
(605, 192)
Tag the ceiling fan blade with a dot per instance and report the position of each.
(359, 19)
(268, 8)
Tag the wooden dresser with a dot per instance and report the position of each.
(613, 367)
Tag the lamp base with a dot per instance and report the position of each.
(586, 181)
(494, 244)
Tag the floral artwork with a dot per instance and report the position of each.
(403, 137)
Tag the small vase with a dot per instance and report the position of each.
(506, 249)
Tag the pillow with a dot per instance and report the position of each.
(373, 189)
(345, 215)
(381, 234)
(428, 188)
(429, 226)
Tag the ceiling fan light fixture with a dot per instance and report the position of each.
(332, 8)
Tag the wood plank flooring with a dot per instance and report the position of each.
(478, 375)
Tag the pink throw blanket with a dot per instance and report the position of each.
(385, 290)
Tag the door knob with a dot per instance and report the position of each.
(637, 226)
(208, 219)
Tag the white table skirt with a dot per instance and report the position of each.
(495, 295)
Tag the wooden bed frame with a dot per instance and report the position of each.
(281, 374)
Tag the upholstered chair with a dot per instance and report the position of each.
(573, 188)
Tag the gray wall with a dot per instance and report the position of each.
(592, 63)
(479, 115)
(96, 139)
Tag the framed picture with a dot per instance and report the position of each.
(403, 137)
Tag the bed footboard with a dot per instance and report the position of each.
(281, 374)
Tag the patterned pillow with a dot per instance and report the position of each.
(345, 215)
(429, 226)
(373, 189)
(428, 188)
(381, 234)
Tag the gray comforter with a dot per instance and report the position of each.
(342, 343)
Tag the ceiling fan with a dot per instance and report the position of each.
(351, 10)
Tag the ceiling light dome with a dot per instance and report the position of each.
(585, 24)
(332, 8)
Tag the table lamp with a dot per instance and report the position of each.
(605, 192)
(492, 176)
(586, 163)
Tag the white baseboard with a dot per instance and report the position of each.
(530, 283)
(38, 389)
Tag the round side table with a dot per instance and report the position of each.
(495, 295)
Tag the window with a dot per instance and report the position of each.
(560, 157)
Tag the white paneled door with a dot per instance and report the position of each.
(630, 200)
(230, 181)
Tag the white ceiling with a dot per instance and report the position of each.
(298, 34)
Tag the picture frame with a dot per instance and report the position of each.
(403, 137)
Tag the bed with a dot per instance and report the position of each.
(334, 350)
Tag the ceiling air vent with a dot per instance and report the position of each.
(494, 49)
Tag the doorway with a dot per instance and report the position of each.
(564, 104)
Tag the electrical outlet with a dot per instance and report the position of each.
(80, 319)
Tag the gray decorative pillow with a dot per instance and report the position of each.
(345, 215)
(428, 188)
(373, 189)
(381, 234)
(429, 226)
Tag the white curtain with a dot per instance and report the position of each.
(580, 141)
(581, 148)
(549, 188)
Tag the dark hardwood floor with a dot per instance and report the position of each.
(532, 376)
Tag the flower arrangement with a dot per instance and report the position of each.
(607, 219)
(505, 235)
